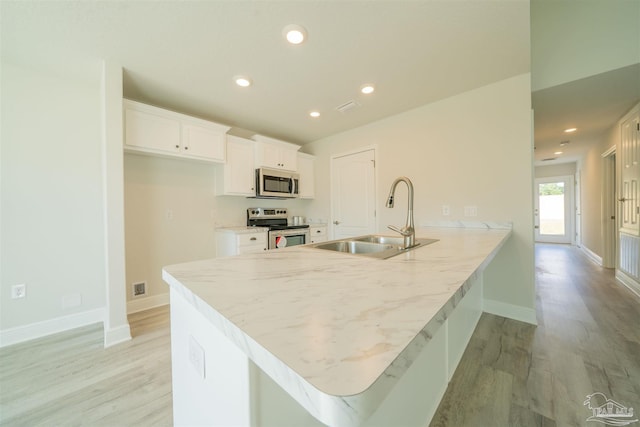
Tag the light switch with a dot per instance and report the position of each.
(446, 210)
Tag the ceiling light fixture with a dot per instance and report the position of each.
(558, 152)
(242, 81)
(570, 130)
(314, 114)
(294, 33)
(367, 89)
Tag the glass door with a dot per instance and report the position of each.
(554, 211)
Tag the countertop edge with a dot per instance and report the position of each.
(331, 409)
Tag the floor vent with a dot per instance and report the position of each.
(139, 289)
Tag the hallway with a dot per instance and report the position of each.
(587, 340)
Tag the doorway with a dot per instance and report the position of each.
(353, 190)
(554, 210)
(609, 215)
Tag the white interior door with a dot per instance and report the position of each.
(353, 194)
(554, 212)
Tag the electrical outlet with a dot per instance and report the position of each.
(19, 291)
(169, 215)
(446, 210)
(470, 211)
(196, 356)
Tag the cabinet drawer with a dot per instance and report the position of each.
(252, 239)
(318, 231)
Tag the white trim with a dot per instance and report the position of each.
(147, 303)
(53, 326)
(515, 312)
(116, 335)
(611, 150)
(591, 255)
(628, 281)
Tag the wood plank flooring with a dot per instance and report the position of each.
(512, 373)
(69, 379)
(587, 340)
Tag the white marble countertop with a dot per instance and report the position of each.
(336, 330)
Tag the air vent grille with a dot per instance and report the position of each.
(347, 106)
(549, 159)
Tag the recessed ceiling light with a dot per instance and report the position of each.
(367, 89)
(242, 81)
(570, 130)
(558, 152)
(314, 114)
(294, 33)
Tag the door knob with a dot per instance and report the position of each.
(336, 222)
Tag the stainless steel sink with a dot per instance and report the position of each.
(372, 245)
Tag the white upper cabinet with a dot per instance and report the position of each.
(155, 130)
(306, 169)
(276, 154)
(237, 176)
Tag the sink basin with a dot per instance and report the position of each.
(372, 245)
(353, 246)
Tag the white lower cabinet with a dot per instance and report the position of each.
(240, 240)
(318, 233)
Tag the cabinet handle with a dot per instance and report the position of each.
(336, 222)
(253, 238)
(177, 146)
(186, 148)
(318, 231)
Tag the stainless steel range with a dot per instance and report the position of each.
(281, 235)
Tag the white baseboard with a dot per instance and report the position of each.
(515, 312)
(591, 255)
(146, 303)
(117, 335)
(628, 281)
(48, 327)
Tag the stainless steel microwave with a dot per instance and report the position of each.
(277, 183)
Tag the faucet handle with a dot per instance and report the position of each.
(402, 231)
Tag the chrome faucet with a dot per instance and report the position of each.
(408, 231)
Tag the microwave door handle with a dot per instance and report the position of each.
(292, 186)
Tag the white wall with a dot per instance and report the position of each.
(471, 149)
(561, 169)
(575, 38)
(52, 225)
(153, 187)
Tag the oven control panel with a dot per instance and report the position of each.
(267, 213)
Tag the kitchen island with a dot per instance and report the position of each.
(304, 336)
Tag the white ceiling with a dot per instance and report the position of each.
(183, 55)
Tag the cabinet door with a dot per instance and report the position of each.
(239, 172)
(203, 142)
(307, 177)
(289, 159)
(270, 156)
(146, 130)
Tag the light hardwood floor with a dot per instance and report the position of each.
(587, 340)
(512, 374)
(69, 379)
